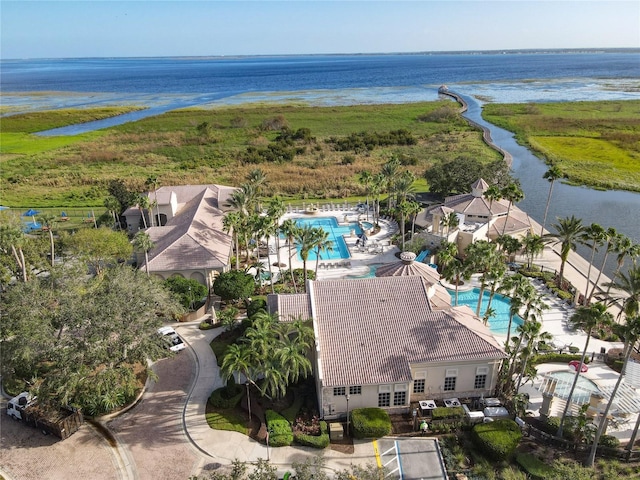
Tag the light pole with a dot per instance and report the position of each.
(347, 414)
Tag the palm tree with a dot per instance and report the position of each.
(322, 242)
(153, 183)
(493, 193)
(450, 220)
(454, 272)
(305, 237)
(238, 358)
(142, 241)
(366, 180)
(269, 229)
(389, 173)
(630, 333)
(519, 289)
(494, 277)
(48, 220)
(512, 193)
(275, 210)
(532, 246)
(143, 204)
(627, 294)
(611, 237)
(377, 186)
(289, 229)
(509, 245)
(447, 252)
(403, 209)
(404, 188)
(481, 257)
(257, 180)
(12, 238)
(592, 236)
(292, 359)
(239, 200)
(625, 248)
(568, 231)
(551, 175)
(531, 333)
(414, 209)
(231, 223)
(113, 206)
(585, 318)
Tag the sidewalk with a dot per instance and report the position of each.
(219, 446)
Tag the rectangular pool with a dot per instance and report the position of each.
(336, 233)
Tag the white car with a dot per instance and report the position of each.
(173, 339)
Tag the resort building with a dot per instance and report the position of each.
(479, 218)
(381, 342)
(188, 237)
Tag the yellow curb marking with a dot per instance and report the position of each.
(377, 452)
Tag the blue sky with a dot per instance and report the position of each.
(50, 29)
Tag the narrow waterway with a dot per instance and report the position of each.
(611, 208)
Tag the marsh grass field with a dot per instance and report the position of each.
(596, 143)
(593, 143)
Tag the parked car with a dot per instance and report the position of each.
(174, 342)
(574, 364)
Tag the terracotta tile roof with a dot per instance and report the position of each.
(295, 305)
(371, 330)
(194, 238)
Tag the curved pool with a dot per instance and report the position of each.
(584, 387)
(336, 236)
(499, 323)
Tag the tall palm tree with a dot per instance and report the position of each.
(494, 277)
(293, 360)
(389, 173)
(305, 237)
(631, 334)
(568, 231)
(611, 236)
(532, 246)
(513, 193)
(239, 200)
(592, 236)
(585, 318)
(403, 209)
(627, 291)
(257, 181)
(142, 241)
(238, 359)
(289, 229)
(551, 175)
(48, 220)
(275, 210)
(624, 247)
(322, 243)
(231, 223)
(269, 229)
(509, 245)
(481, 257)
(447, 252)
(377, 187)
(450, 220)
(493, 193)
(404, 189)
(153, 183)
(519, 289)
(143, 205)
(531, 333)
(366, 180)
(454, 272)
(113, 206)
(414, 209)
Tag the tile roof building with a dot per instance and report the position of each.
(479, 218)
(380, 341)
(189, 240)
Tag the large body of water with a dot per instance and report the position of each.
(168, 83)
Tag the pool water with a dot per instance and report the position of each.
(499, 323)
(335, 231)
(370, 274)
(584, 387)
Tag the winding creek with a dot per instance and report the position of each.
(610, 208)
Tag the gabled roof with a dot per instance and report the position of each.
(371, 330)
(194, 237)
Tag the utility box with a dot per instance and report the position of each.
(336, 431)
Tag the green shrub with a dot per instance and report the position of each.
(551, 425)
(291, 412)
(497, 439)
(573, 349)
(447, 412)
(205, 325)
(256, 305)
(609, 441)
(315, 441)
(554, 358)
(370, 423)
(226, 397)
(535, 467)
(280, 434)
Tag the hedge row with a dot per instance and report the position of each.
(226, 397)
(555, 358)
(447, 412)
(316, 441)
(370, 423)
(497, 439)
(280, 434)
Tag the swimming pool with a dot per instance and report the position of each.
(581, 394)
(499, 323)
(370, 274)
(335, 231)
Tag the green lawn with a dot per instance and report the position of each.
(593, 143)
(228, 419)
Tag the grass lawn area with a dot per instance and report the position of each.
(593, 143)
(195, 146)
(231, 419)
